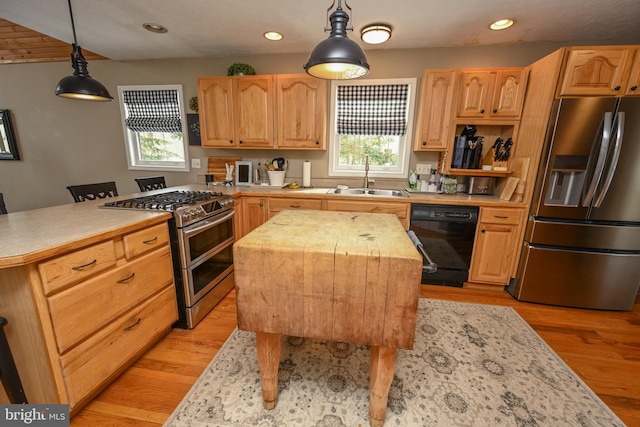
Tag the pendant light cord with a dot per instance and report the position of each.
(73, 26)
(327, 29)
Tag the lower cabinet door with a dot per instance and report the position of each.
(90, 366)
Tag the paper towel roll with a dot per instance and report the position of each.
(306, 173)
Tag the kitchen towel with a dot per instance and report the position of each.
(306, 174)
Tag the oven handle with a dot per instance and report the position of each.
(207, 223)
(430, 267)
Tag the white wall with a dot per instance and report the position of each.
(64, 142)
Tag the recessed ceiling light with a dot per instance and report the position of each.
(501, 24)
(154, 28)
(376, 33)
(273, 35)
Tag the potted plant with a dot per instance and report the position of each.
(240, 69)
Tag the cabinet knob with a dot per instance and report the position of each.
(240, 141)
(616, 88)
(231, 141)
(634, 87)
(424, 143)
(317, 142)
(495, 110)
(483, 230)
(261, 204)
(482, 111)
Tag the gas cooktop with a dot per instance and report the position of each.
(188, 206)
(165, 201)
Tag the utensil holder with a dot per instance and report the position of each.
(276, 178)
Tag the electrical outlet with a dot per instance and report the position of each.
(195, 163)
(423, 168)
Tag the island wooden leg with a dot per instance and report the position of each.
(268, 347)
(383, 360)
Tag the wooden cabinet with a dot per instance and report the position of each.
(236, 112)
(633, 85)
(279, 204)
(599, 71)
(401, 210)
(489, 94)
(436, 106)
(267, 111)
(86, 314)
(494, 250)
(301, 104)
(255, 211)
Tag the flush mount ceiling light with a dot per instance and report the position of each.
(273, 36)
(80, 85)
(501, 24)
(338, 57)
(376, 33)
(154, 28)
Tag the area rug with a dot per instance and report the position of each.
(471, 365)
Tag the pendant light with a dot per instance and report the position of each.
(338, 57)
(80, 85)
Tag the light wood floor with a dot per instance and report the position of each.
(603, 348)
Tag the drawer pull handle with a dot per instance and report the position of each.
(80, 267)
(126, 278)
(128, 328)
(150, 240)
(295, 206)
(501, 216)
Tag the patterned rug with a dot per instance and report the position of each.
(471, 365)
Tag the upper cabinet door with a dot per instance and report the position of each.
(508, 93)
(436, 106)
(253, 111)
(215, 106)
(633, 85)
(598, 71)
(474, 92)
(301, 104)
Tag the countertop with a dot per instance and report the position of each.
(31, 236)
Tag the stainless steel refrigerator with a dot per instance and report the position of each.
(582, 242)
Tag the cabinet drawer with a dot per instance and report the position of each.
(145, 240)
(500, 216)
(401, 210)
(68, 269)
(96, 361)
(79, 311)
(276, 205)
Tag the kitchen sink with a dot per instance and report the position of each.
(368, 192)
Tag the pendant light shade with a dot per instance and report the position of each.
(338, 57)
(80, 85)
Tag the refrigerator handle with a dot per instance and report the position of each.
(614, 159)
(602, 155)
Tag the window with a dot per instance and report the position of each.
(371, 118)
(155, 129)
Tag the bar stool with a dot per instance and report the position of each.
(8, 371)
(100, 190)
(3, 208)
(151, 183)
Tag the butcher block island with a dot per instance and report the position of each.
(340, 276)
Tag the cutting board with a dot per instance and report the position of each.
(216, 167)
(509, 188)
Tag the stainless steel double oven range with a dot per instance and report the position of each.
(202, 238)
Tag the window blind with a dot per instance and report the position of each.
(372, 110)
(152, 110)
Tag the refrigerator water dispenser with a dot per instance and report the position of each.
(566, 181)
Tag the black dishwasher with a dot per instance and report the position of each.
(447, 233)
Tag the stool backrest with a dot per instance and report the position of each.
(3, 208)
(151, 183)
(100, 190)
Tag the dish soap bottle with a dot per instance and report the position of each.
(432, 187)
(413, 179)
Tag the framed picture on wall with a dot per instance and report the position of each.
(193, 121)
(8, 145)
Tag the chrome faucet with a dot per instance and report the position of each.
(366, 172)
